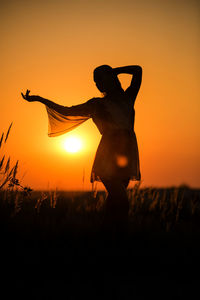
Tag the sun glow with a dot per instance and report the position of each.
(73, 144)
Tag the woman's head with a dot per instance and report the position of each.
(106, 80)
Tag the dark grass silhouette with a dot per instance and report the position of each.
(60, 216)
(56, 242)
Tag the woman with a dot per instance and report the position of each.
(117, 160)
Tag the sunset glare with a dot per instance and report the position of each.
(72, 144)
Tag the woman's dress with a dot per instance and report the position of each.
(117, 154)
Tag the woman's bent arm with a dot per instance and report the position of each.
(134, 69)
(134, 87)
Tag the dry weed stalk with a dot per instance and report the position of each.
(100, 203)
(40, 201)
(155, 200)
(53, 198)
(7, 174)
(13, 190)
(17, 205)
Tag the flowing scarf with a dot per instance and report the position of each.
(59, 123)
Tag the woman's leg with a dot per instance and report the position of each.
(117, 204)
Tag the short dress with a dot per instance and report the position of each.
(117, 155)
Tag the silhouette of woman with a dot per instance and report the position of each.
(117, 160)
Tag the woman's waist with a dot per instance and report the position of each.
(118, 131)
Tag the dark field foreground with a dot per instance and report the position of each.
(53, 245)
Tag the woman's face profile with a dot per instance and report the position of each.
(104, 81)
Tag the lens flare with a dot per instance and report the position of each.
(73, 144)
(122, 161)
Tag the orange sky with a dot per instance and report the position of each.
(52, 47)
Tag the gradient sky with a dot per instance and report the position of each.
(52, 47)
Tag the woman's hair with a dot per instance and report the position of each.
(106, 69)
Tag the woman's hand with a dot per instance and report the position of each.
(29, 98)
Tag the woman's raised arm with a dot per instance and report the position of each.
(136, 71)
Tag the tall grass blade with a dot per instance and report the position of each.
(7, 134)
(1, 139)
(15, 169)
(83, 178)
(1, 162)
(7, 178)
(10, 173)
(7, 165)
(4, 182)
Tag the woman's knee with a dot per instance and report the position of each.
(115, 186)
(117, 195)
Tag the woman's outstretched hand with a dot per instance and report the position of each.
(29, 98)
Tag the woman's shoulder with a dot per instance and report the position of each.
(95, 101)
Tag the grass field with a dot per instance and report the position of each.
(72, 221)
(63, 231)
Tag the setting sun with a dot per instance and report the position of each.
(73, 144)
